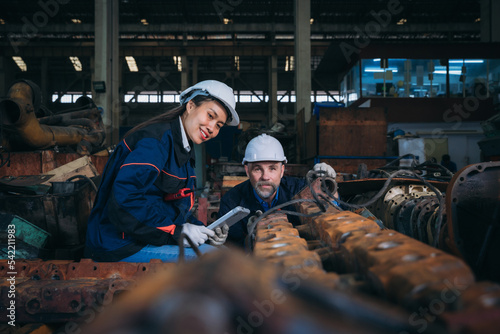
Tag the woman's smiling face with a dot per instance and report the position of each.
(203, 122)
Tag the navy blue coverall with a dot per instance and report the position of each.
(129, 210)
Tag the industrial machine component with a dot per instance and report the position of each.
(21, 129)
(338, 271)
(227, 292)
(459, 216)
(66, 291)
(61, 209)
(473, 214)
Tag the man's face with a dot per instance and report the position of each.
(265, 177)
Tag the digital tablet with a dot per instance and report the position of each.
(230, 218)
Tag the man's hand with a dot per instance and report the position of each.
(326, 169)
(220, 236)
(197, 233)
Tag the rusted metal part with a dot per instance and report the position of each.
(228, 292)
(63, 215)
(278, 242)
(55, 291)
(473, 211)
(67, 270)
(404, 270)
(57, 301)
(388, 259)
(40, 162)
(26, 131)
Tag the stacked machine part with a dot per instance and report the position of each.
(434, 287)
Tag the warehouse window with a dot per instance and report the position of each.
(421, 78)
(152, 97)
(468, 77)
(68, 97)
(246, 96)
(322, 96)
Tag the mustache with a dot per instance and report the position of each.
(265, 183)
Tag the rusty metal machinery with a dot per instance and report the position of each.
(339, 271)
(227, 292)
(63, 291)
(432, 285)
(459, 216)
(21, 129)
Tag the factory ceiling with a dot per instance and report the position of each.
(218, 30)
(241, 19)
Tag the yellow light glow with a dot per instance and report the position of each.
(132, 65)
(20, 63)
(76, 63)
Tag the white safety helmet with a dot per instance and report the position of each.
(219, 91)
(264, 148)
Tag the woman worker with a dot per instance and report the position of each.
(131, 220)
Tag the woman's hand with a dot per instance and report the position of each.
(197, 233)
(220, 236)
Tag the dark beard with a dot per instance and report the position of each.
(265, 195)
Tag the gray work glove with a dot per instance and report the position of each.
(325, 168)
(197, 233)
(220, 236)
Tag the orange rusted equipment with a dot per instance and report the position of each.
(21, 129)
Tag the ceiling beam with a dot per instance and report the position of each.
(239, 28)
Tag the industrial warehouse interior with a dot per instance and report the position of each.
(358, 140)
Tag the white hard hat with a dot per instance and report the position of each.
(264, 148)
(219, 91)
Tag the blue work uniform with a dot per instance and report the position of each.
(130, 211)
(243, 195)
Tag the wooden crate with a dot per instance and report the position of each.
(40, 162)
(352, 132)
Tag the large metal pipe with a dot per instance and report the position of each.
(24, 130)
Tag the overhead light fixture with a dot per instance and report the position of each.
(76, 63)
(311, 21)
(289, 63)
(402, 21)
(178, 62)
(237, 62)
(467, 61)
(145, 22)
(20, 63)
(375, 69)
(76, 21)
(477, 20)
(2, 21)
(227, 21)
(132, 65)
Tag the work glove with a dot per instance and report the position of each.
(220, 235)
(326, 169)
(197, 233)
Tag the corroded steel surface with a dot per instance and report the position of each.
(473, 208)
(431, 284)
(56, 291)
(228, 292)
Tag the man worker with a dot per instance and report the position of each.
(266, 186)
(446, 162)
